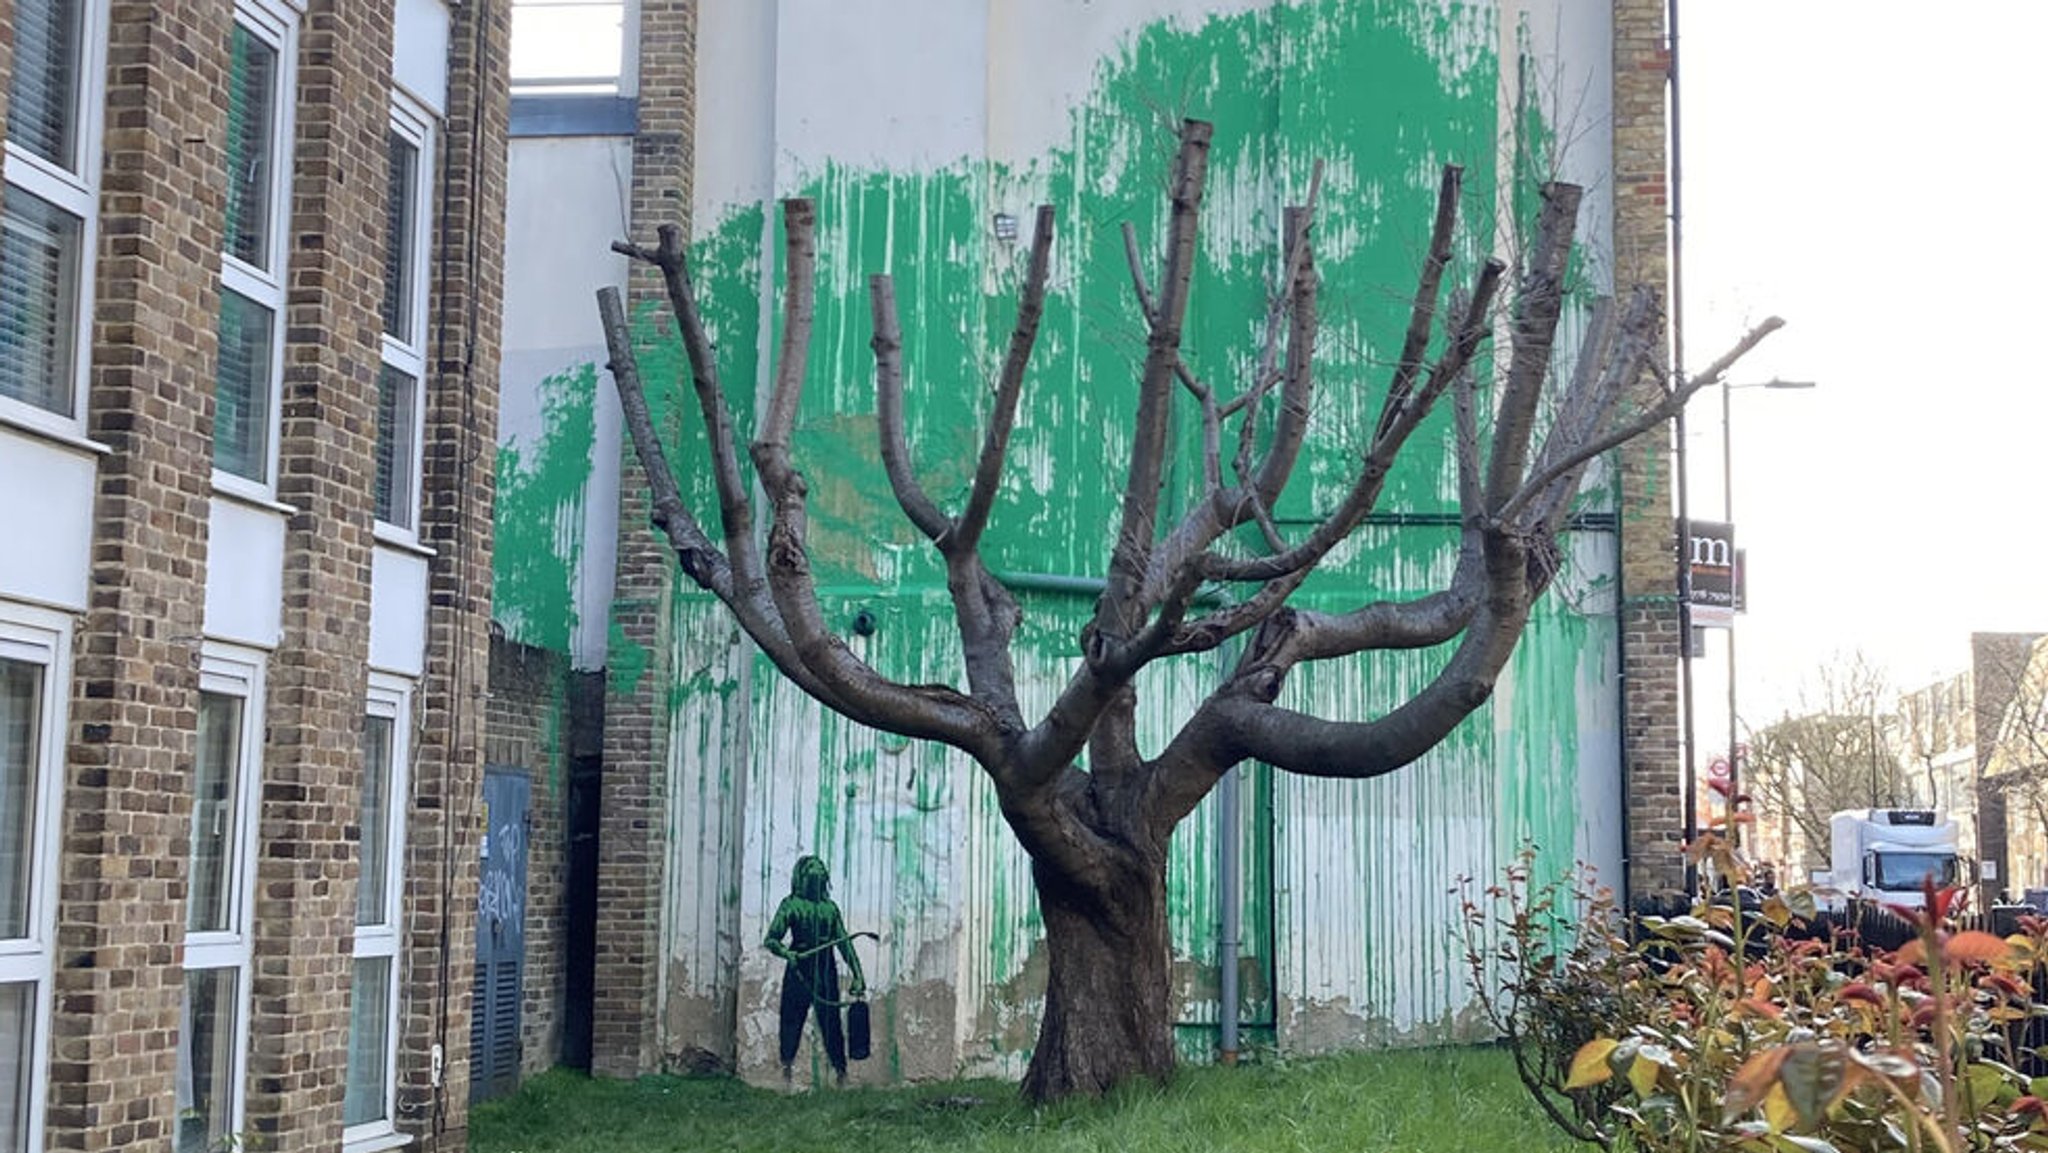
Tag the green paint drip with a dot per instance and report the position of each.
(538, 519)
(1382, 90)
(626, 659)
(1386, 96)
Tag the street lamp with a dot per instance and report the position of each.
(1728, 514)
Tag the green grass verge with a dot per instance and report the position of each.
(1430, 1099)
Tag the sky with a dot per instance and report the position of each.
(1873, 173)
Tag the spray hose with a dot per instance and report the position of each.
(796, 970)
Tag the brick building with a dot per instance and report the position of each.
(249, 318)
(1653, 749)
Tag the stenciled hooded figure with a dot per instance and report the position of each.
(810, 980)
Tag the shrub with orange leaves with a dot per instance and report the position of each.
(1727, 1030)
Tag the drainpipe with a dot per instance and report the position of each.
(1229, 858)
(1049, 582)
(1230, 876)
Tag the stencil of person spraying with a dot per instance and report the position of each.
(810, 979)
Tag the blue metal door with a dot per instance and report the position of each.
(500, 934)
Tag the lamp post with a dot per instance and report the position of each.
(1728, 514)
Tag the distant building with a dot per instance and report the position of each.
(1933, 738)
(1945, 736)
(2016, 768)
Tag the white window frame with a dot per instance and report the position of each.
(40, 637)
(391, 698)
(75, 191)
(233, 671)
(278, 26)
(411, 120)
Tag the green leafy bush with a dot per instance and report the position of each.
(1762, 1031)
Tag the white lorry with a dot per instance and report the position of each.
(1886, 855)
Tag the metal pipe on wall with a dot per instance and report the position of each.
(1734, 559)
(1689, 774)
(1229, 879)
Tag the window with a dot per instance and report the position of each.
(47, 212)
(368, 1103)
(251, 359)
(220, 855)
(1902, 872)
(567, 47)
(34, 682)
(401, 403)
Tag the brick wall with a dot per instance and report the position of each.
(630, 843)
(130, 745)
(438, 958)
(1649, 624)
(307, 852)
(527, 725)
(133, 712)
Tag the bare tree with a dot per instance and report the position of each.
(1097, 837)
(1832, 754)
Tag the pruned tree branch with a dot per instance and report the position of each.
(1655, 415)
(1294, 303)
(1212, 417)
(799, 311)
(787, 622)
(1379, 459)
(1312, 746)
(888, 349)
(1430, 620)
(988, 470)
(700, 559)
(1118, 613)
(1260, 489)
(1422, 313)
(984, 611)
(1538, 305)
(735, 499)
(1120, 610)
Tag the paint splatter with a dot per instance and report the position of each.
(1345, 904)
(539, 521)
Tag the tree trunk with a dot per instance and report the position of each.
(1108, 995)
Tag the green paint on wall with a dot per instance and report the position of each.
(1383, 94)
(626, 659)
(1384, 91)
(538, 519)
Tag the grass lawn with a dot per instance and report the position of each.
(1431, 1099)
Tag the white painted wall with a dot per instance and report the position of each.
(398, 611)
(912, 86)
(568, 200)
(419, 52)
(244, 573)
(1572, 45)
(919, 67)
(736, 91)
(46, 494)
